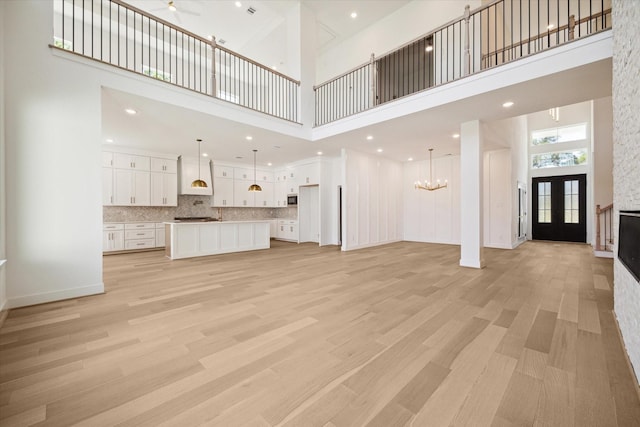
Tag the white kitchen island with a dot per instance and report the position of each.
(193, 239)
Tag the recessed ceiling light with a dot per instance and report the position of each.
(238, 4)
(130, 111)
(456, 135)
(379, 150)
(269, 164)
(210, 37)
(205, 155)
(319, 153)
(172, 7)
(354, 15)
(410, 159)
(249, 138)
(429, 48)
(273, 67)
(550, 26)
(369, 138)
(508, 104)
(109, 140)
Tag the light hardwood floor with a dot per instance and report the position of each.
(305, 336)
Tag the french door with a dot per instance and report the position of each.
(559, 206)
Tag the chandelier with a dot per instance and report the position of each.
(429, 185)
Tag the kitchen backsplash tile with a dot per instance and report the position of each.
(193, 206)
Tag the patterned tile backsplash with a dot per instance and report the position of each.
(192, 206)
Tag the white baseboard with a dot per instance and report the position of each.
(368, 245)
(33, 299)
(603, 254)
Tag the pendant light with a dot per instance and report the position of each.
(254, 186)
(198, 183)
(428, 185)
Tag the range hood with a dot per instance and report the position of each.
(188, 172)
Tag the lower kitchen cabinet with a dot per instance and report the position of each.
(132, 236)
(287, 230)
(160, 233)
(194, 239)
(112, 237)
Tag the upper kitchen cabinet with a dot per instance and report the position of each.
(164, 165)
(131, 188)
(107, 159)
(107, 186)
(164, 189)
(188, 172)
(164, 182)
(131, 161)
(308, 174)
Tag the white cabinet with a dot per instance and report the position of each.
(222, 192)
(164, 189)
(280, 194)
(287, 230)
(273, 228)
(160, 234)
(112, 237)
(220, 171)
(107, 186)
(264, 198)
(308, 174)
(242, 197)
(243, 174)
(131, 161)
(131, 188)
(188, 172)
(164, 165)
(199, 239)
(140, 235)
(107, 159)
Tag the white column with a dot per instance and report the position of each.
(301, 47)
(471, 222)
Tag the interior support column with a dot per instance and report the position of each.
(471, 177)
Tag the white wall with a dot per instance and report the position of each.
(407, 23)
(3, 166)
(519, 172)
(372, 194)
(432, 216)
(52, 152)
(330, 179)
(626, 158)
(602, 154)
(498, 194)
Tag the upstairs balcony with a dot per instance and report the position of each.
(115, 33)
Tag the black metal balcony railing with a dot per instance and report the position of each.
(491, 35)
(121, 35)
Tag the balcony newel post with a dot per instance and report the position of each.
(214, 91)
(467, 56)
(572, 26)
(373, 76)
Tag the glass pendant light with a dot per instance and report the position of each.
(254, 186)
(198, 183)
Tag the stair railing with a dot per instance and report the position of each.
(604, 228)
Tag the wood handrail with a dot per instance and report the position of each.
(603, 211)
(547, 33)
(606, 208)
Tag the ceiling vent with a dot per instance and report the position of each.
(251, 10)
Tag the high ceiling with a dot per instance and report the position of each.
(171, 129)
(262, 35)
